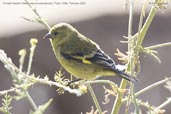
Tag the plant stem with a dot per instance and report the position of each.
(3, 92)
(31, 101)
(131, 46)
(147, 24)
(131, 66)
(32, 49)
(118, 101)
(12, 68)
(94, 98)
(40, 19)
(152, 86)
(168, 101)
(149, 87)
(22, 54)
(158, 45)
(130, 18)
(50, 83)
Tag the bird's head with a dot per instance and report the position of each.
(61, 31)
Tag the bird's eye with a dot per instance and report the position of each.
(55, 33)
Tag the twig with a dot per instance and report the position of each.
(48, 82)
(168, 101)
(94, 98)
(147, 24)
(40, 19)
(11, 67)
(22, 53)
(152, 86)
(131, 45)
(3, 92)
(158, 45)
(31, 100)
(33, 43)
(118, 103)
(149, 87)
(130, 18)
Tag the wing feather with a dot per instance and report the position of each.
(80, 50)
(86, 51)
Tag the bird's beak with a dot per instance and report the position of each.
(48, 35)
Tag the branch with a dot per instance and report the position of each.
(158, 46)
(94, 98)
(39, 19)
(149, 87)
(168, 101)
(12, 68)
(152, 86)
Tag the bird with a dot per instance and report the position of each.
(80, 56)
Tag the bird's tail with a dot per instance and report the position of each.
(126, 76)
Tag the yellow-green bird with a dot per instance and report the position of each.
(81, 56)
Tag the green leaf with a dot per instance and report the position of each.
(6, 101)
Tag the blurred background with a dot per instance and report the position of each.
(106, 23)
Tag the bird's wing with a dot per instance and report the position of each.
(88, 52)
(102, 59)
(80, 50)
